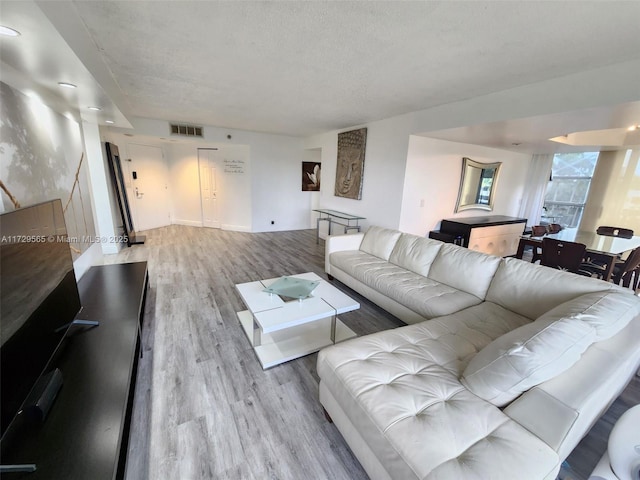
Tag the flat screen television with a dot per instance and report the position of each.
(38, 295)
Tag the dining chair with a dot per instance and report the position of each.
(563, 255)
(596, 266)
(554, 228)
(615, 232)
(628, 271)
(538, 230)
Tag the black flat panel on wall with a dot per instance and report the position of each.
(87, 428)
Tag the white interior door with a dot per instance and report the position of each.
(149, 177)
(208, 162)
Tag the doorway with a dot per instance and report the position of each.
(209, 167)
(149, 176)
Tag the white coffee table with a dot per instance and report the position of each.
(280, 331)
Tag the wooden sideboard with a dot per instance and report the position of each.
(493, 234)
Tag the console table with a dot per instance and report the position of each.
(494, 234)
(341, 218)
(85, 435)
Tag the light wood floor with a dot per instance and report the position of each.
(204, 408)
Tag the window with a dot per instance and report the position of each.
(567, 192)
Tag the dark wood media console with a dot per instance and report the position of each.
(85, 435)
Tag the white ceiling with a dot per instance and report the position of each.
(299, 68)
(40, 58)
(533, 134)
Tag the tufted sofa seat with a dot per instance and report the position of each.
(403, 392)
(426, 297)
(505, 366)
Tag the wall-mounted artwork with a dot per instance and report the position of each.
(350, 166)
(41, 159)
(310, 177)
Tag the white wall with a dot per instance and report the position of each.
(269, 189)
(234, 190)
(276, 169)
(388, 143)
(124, 144)
(314, 155)
(234, 195)
(184, 179)
(614, 195)
(101, 194)
(433, 174)
(275, 159)
(401, 169)
(383, 174)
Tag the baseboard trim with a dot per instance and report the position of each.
(188, 223)
(236, 228)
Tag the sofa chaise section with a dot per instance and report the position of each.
(399, 390)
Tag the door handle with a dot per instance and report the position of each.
(139, 194)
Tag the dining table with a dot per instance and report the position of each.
(603, 249)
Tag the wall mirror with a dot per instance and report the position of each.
(477, 185)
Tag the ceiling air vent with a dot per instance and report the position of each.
(187, 130)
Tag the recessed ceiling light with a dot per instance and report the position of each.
(97, 109)
(9, 32)
(67, 85)
(632, 128)
(108, 121)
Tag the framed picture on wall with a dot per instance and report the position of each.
(350, 166)
(310, 176)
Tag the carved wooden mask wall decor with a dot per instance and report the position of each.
(350, 166)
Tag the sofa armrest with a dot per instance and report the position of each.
(559, 417)
(562, 410)
(339, 243)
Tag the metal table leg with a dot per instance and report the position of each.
(257, 338)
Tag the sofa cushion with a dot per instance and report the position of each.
(464, 269)
(425, 296)
(541, 350)
(606, 312)
(415, 253)
(422, 295)
(366, 268)
(379, 241)
(477, 326)
(532, 290)
(573, 400)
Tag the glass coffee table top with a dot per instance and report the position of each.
(291, 287)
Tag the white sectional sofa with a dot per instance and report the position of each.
(506, 365)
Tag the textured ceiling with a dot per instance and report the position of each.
(299, 68)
